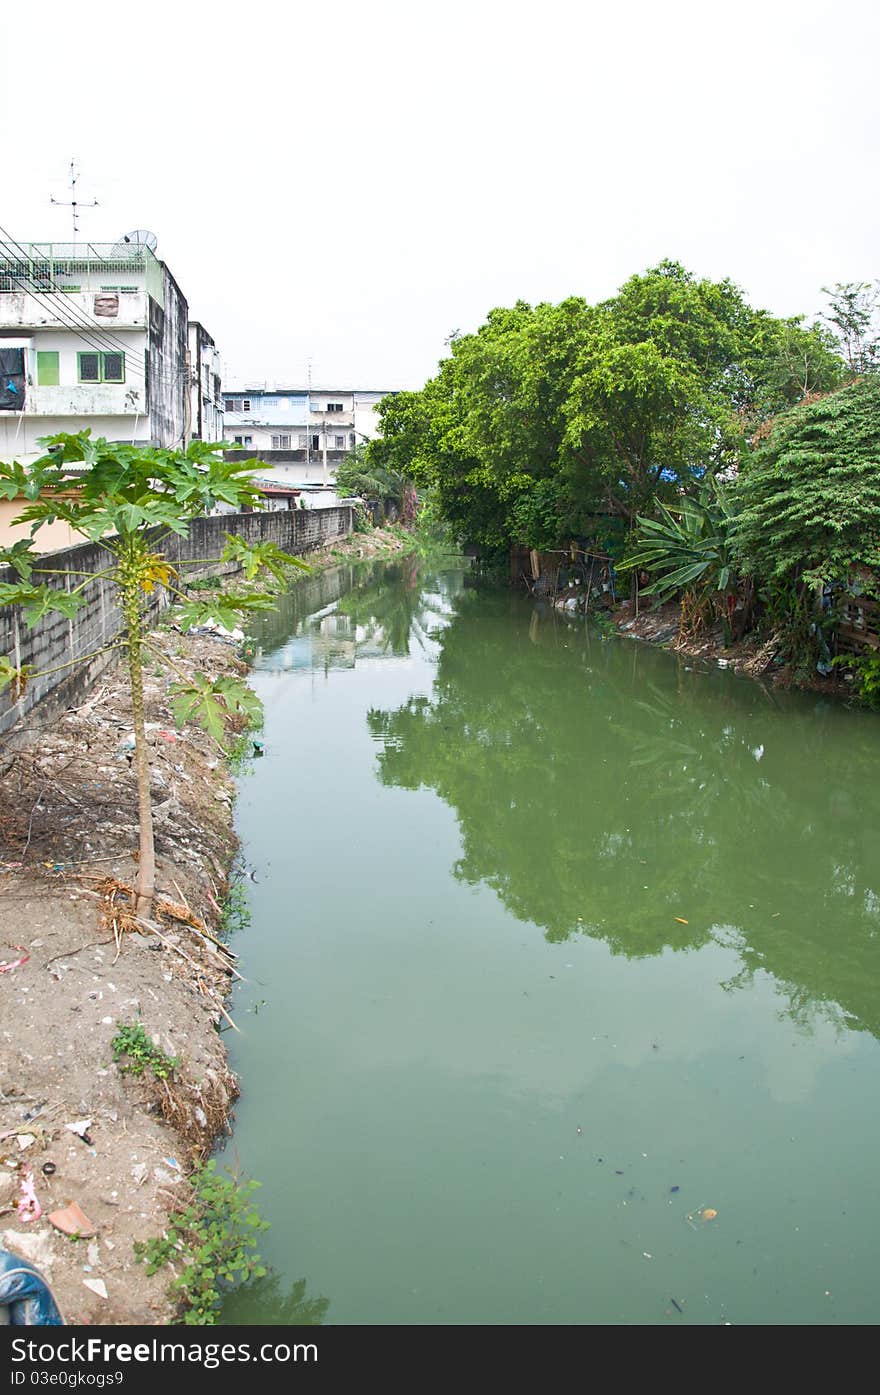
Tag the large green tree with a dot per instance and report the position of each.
(809, 498)
(550, 413)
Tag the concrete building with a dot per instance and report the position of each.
(96, 334)
(206, 397)
(303, 433)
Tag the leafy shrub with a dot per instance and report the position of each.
(134, 1052)
(215, 1239)
(866, 668)
(809, 498)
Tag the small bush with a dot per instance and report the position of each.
(134, 1052)
(215, 1239)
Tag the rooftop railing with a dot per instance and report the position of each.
(76, 266)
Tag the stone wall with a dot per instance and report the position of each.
(56, 640)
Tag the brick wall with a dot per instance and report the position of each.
(57, 640)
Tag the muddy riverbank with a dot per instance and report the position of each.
(755, 655)
(73, 971)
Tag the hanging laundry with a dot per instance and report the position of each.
(12, 380)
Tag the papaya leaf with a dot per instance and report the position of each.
(255, 556)
(20, 557)
(38, 601)
(18, 677)
(224, 610)
(210, 702)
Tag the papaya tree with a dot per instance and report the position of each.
(130, 500)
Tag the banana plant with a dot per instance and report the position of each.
(129, 500)
(686, 550)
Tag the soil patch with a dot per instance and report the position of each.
(75, 966)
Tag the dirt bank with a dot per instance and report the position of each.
(755, 656)
(73, 970)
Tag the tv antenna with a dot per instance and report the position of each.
(73, 203)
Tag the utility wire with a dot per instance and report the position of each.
(96, 346)
(91, 339)
(55, 296)
(70, 315)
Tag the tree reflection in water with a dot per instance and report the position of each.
(602, 788)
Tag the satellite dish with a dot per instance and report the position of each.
(141, 237)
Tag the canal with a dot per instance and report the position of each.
(562, 999)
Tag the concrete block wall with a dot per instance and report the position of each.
(55, 640)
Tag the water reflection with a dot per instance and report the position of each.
(602, 788)
(351, 613)
(269, 1301)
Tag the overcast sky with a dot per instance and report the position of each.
(349, 183)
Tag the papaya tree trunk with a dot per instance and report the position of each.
(145, 885)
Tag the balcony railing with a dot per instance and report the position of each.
(67, 267)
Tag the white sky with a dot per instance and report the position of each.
(349, 183)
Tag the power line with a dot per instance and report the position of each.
(80, 321)
(92, 336)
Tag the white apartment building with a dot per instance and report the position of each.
(302, 433)
(96, 334)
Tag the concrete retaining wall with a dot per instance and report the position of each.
(57, 640)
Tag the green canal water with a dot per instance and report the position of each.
(558, 943)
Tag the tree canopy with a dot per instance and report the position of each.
(809, 498)
(549, 414)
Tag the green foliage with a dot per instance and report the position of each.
(803, 632)
(686, 546)
(866, 668)
(213, 702)
(362, 475)
(21, 557)
(38, 601)
(226, 608)
(134, 1053)
(214, 1241)
(808, 500)
(851, 313)
(256, 557)
(535, 518)
(9, 674)
(597, 408)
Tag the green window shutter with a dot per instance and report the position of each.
(114, 368)
(47, 368)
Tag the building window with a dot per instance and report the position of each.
(244, 440)
(101, 368)
(47, 368)
(334, 406)
(246, 404)
(303, 442)
(233, 404)
(340, 442)
(351, 441)
(316, 443)
(281, 443)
